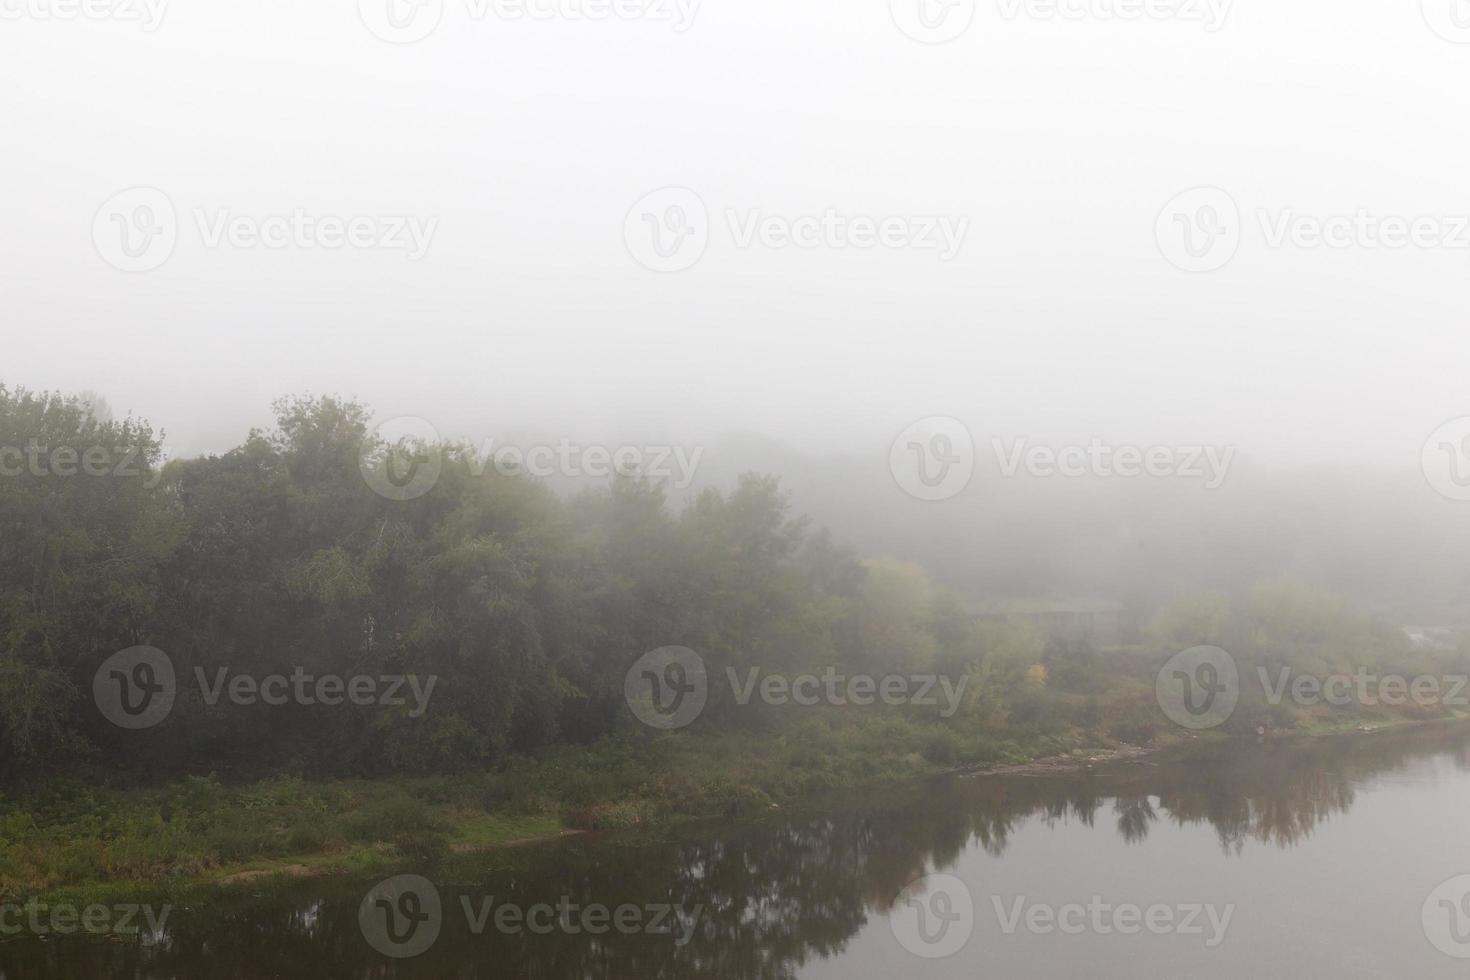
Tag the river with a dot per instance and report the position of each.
(1308, 858)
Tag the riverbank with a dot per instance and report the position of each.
(82, 840)
(1218, 799)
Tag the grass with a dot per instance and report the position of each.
(482, 831)
(1327, 721)
(85, 841)
(68, 834)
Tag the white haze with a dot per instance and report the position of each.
(1060, 141)
(1053, 143)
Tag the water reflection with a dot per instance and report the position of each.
(769, 897)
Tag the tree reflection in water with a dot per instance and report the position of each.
(772, 896)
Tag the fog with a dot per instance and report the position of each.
(1030, 169)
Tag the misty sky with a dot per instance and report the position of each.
(1058, 141)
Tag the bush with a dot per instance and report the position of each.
(942, 747)
(386, 819)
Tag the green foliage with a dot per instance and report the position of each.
(528, 608)
(1282, 631)
(277, 556)
(82, 540)
(1199, 619)
(64, 834)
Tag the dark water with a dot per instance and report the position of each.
(1316, 859)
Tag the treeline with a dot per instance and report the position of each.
(529, 608)
(280, 558)
(1280, 632)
